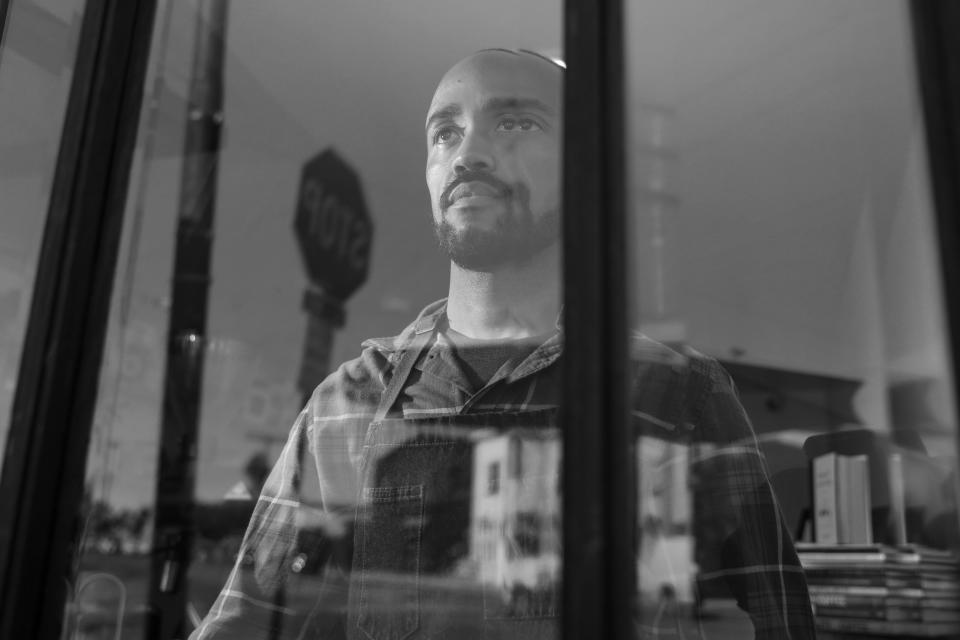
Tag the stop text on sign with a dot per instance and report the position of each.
(334, 226)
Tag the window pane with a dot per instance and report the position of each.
(37, 53)
(442, 514)
(785, 266)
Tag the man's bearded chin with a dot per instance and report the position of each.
(513, 241)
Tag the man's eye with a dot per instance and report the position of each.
(518, 124)
(445, 135)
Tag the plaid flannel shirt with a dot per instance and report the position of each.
(680, 397)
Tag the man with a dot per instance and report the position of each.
(438, 446)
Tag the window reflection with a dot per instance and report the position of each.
(782, 225)
(782, 229)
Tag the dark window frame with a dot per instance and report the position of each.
(4, 12)
(934, 23)
(59, 370)
(597, 471)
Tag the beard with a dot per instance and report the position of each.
(515, 238)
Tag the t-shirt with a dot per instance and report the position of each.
(482, 358)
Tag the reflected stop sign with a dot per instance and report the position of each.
(332, 226)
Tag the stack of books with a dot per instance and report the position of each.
(899, 591)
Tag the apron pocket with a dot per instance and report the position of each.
(391, 527)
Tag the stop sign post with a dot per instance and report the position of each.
(334, 232)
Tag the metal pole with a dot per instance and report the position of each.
(325, 314)
(186, 339)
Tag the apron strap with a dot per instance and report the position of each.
(402, 372)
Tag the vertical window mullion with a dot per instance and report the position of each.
(598, 485)
(41, 484)
(935, 24)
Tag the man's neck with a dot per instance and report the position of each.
(516, 301)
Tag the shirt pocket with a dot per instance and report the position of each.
(390, 534)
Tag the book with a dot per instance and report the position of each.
(883, 604)
(916, 554)
(841, 599)
(892, 613)
(927, 608)
(815, 554)
(894, 577)
(848, 591)
(889, 627)
(881, 612)
(825, 498)
(853, 500)
(897, 516)
(939, 586)
(915, 557)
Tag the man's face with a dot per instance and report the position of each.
(493, 159)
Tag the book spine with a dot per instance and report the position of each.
(897, 523)
(825, 498)
(854, 625)
(889, 628)
(830, 559)
(844, 499)
(842, 580)
(842, 600)
(870, 613)
(861, 506)
(853, 500)
(849, 590)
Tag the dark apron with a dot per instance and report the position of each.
(444, 546)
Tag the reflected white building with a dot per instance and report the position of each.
(665, 562)
(515, 537)
(515, 513)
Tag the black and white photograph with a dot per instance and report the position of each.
(440, 320)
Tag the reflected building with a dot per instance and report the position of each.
(665, 513)
(515, 516)
(515, 537)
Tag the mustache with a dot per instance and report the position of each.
(473, 176)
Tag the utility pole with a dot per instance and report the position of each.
(176, 471)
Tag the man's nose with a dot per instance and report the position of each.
(475, 155)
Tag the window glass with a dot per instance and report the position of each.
(786, 294)
(292, 512)
(37, 51)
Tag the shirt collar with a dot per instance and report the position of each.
(428, 319)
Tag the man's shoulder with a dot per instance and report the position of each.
(425, 321)
(672, 383)
(676, 358)
(366, 371)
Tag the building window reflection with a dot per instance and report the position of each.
(493, 479)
